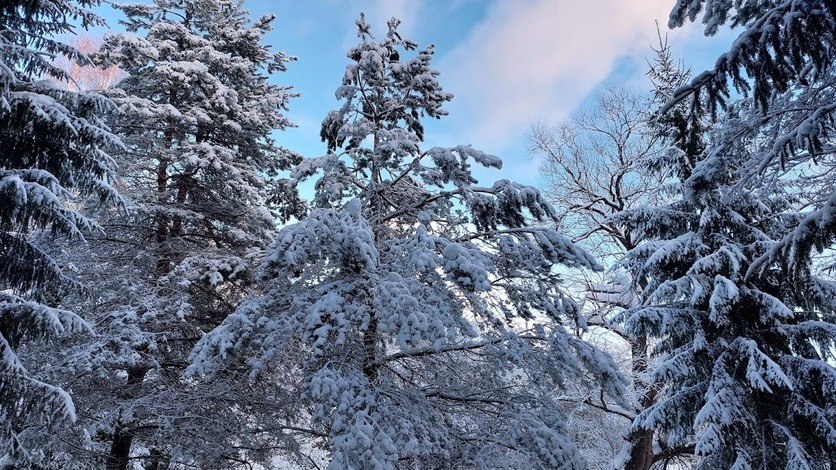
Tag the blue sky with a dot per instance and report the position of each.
(508, 62)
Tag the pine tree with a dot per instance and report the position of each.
(398, 304)
(199, 173)
(53, 146)
(739, 292)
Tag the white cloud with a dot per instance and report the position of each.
(532, 59)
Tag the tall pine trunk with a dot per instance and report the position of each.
(641, 440)
(123, 435)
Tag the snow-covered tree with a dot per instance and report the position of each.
(53, 146)
(419, 312)
(740, 295)
(199, 176)
(594, 168)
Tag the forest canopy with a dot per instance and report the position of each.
(181, 289)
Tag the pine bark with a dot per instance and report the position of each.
(641, 440)
(120, 449)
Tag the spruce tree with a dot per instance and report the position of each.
(739, 293)
(53, 146)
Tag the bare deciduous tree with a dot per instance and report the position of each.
(81, 73)
(594, 168)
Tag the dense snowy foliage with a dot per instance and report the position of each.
(400, 301)
(198, 170)
(168, 300)
(739, 289)
(53, 145)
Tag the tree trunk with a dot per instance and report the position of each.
(182, 191)
(162, 220)
(164, 261)
(120, 449)
(641, 452)
(183, 186)
(370, 365)
(641, 440)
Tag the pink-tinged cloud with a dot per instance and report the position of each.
(531, 59)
